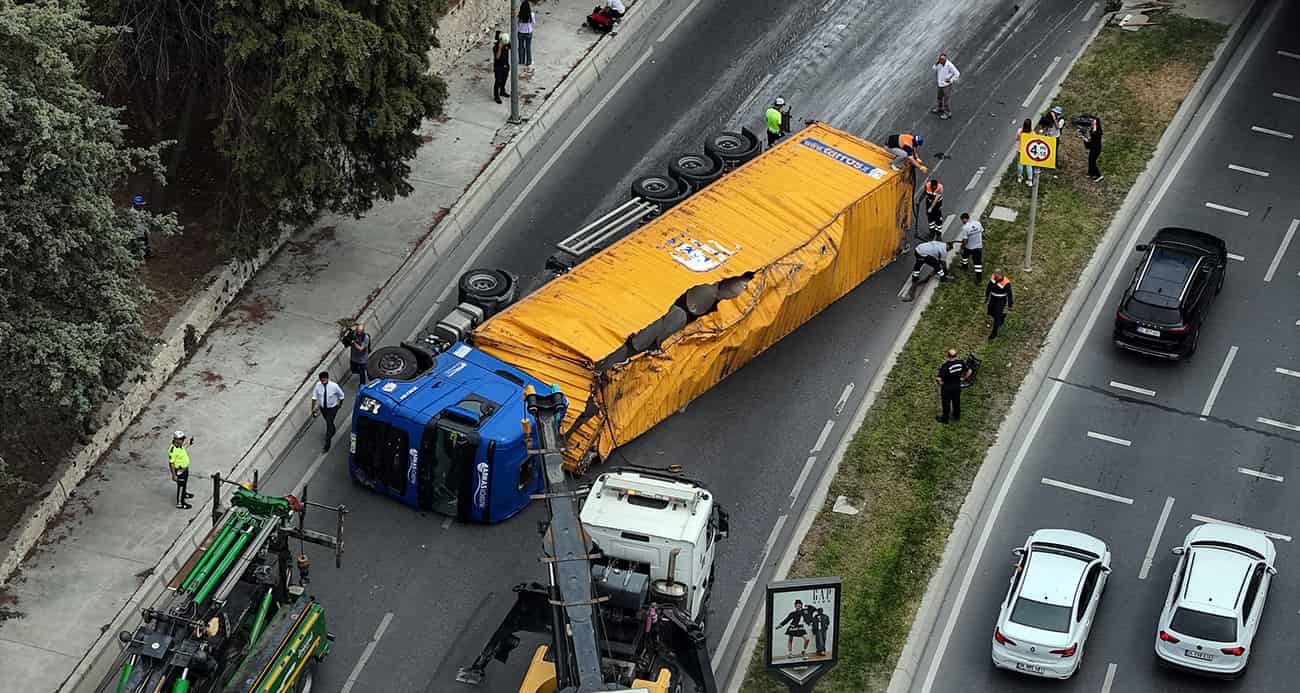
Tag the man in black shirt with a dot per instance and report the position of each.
(951, 374)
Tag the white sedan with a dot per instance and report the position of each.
(1051, 603)
(1216, 599)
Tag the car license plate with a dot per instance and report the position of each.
(1029, 668)
(1197, 654)
(1148, 331)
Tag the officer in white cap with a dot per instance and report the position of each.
(777, 118)
(178, 461)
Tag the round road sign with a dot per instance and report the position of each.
(1038, 150)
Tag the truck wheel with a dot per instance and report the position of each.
(665, 191)
(733, 148)
(698, 170)
(395, 362)
(489, 289)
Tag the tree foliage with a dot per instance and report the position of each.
(318, 102)
(70, 300)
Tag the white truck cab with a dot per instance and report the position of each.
(660, 526)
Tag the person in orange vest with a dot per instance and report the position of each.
(904, 146)
(999, 297)
(934, 205)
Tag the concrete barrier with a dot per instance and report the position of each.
(378, 314)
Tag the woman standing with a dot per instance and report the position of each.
(500, 66)
(1024, 172)
(794, 628)
(1092, 142)
(527, 22)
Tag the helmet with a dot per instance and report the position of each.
(1057, 110)
(919, 140)
(178, 435)
(780, 101)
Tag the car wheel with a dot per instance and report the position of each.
(394, 362)
(1196, 341)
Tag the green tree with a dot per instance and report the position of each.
(70, 299)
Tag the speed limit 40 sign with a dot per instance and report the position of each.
(1037, 150)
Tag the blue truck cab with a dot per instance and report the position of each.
(447, 437)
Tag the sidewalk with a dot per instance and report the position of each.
(121, 519)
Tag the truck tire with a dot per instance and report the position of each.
(489, 289)
(732, 148)
(664, 191)
(393, 362)
(696, 169)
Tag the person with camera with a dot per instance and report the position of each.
(358, 344)
(1092, 142)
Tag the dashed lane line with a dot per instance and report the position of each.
(1213, 521)
(1109, 439)
(1286, 371)
(1281, 250)
(1110, 678)
(1238, 258)
(844, 399)
(1155, 539)
(1132, 388)
(1286, 97)
(1247, 169)
(1278, 424)
(1087, 491)
(1229, 210)
(1288, 54)
(1092, 10)
(821, 439)
(803, 476)
(1039, 85)
(1275, 133)
(1260, 475)
(1218, 382)
(365, 654)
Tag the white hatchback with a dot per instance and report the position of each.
(1051, 603)
(1216, 599)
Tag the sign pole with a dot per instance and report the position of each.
(1033, 216)
(514, 61)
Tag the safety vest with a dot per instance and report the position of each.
(906, 140)
(933, 192)
(178, 457)
(773, 117)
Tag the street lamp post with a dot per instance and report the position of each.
(514, 61)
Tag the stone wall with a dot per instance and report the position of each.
(468, 24)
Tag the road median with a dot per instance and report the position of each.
(910, 474)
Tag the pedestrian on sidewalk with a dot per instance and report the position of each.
(972, 245)
(934, 254)
(1024, 172)
(1092, 142)
(526, 24)
(359, 353)
(777, 117)
(947, 74)
(178, 463)
(326, 398)
(500, 66)
(934, 205)
(999, 297)
(952, 373)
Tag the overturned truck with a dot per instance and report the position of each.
(631, 331)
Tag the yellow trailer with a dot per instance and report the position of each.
(637, 331)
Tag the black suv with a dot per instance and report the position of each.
(1164, 306)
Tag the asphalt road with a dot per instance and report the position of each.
(417, 596)
(1196, 442)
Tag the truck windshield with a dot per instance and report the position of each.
(447, 457)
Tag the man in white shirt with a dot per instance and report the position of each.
(972, 245)
(617, 8)
(947, 74)
(326, 398)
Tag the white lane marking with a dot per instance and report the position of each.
(943, 230)
(1284, 371)
(1271, 535)
(803, 476)
(1238, 258)
(1132, 388)
(1278, 424)
(673, 27)
(1288, 54)
(1262, 475)
(1201, 124)
(730, 630)
(1275, 133)
(821, 439)
(1155, 539)
(1229, 210)
(528, 189)
(365, 654)
(1034, 92)
(1092, 9)
(975, 179)
(1281, 250)
(1218, 381)
(844, 399)
(1110, 678)
(1286, 97)
(1087, 491)
(1109, 439)
(1001, 498)
(1251, 171)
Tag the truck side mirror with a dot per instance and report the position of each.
(1178, 551)
(1142, 247)
(722, 522)
(1271, 570)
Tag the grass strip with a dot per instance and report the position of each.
(910, 474)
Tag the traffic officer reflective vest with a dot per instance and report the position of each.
(999, 293)
(933, 192)
(773, 117)
(178, 457)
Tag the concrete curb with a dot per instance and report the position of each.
(293, 418)
(181, 336)
(927, 615)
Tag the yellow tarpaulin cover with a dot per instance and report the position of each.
(799, 226)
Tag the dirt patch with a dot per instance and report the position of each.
(1161, 93)
(309, 255)
(252, 312)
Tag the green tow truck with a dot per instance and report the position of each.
(236, 617)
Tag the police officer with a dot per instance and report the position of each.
(934, 205)
(934, 254)
(972, 245)
(951, 374)
(178, 461)
(999, 297)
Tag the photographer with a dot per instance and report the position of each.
(358, 344)
(1092, 142)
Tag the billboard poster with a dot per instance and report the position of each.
(803, 623)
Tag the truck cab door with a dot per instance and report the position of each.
(446, 463)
